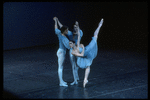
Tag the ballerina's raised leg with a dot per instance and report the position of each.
(87, 70)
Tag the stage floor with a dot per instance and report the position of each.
(32, 73)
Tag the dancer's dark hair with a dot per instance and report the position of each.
(63, 28)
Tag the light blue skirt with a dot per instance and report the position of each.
(89, 54)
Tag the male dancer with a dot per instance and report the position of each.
(63, 44)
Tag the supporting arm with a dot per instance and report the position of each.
(55, 19)
(77, 53)
(82, 46)
(60, 25)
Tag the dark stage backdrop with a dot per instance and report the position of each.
(28, 24)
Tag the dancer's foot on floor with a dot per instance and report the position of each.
(75, 82)
(63, 84)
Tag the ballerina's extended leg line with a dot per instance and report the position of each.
(87, 70)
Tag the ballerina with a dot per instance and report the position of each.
(85, 55)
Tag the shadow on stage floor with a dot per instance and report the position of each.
(32, 73)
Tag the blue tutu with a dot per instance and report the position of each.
(90, 53)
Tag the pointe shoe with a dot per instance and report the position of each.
(101, 22)
(84, 83)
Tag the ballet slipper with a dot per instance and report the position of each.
(75, 82)
(64, 82)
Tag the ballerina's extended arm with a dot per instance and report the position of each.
(77, 53)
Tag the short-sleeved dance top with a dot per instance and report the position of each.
(63, 41)
(90, 52)
(75, 37)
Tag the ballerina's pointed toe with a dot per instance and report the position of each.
(84, 83)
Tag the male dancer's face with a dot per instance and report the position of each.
(65, 32)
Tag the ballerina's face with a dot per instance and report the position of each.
(71, 44)
(75, 29)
